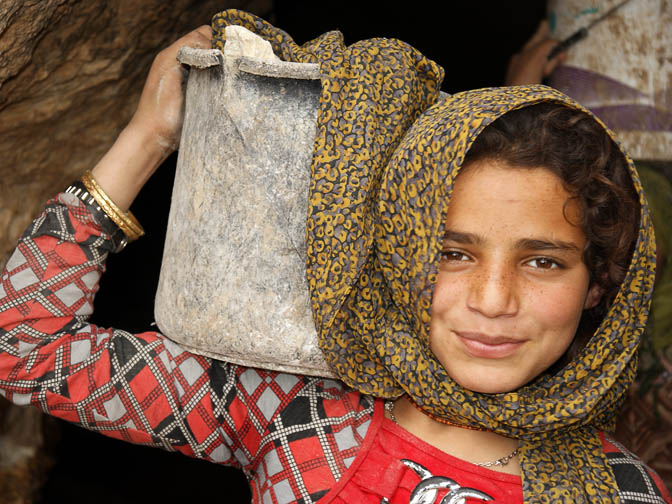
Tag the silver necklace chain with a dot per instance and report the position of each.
(389, 407)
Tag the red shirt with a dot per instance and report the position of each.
(381, 473)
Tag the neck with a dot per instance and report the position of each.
(473, 446)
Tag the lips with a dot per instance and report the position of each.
(488, 347)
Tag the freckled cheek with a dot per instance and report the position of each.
(556, 307)
(446, 293)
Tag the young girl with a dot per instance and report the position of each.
(480, 269)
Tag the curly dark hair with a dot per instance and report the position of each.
(573, 146)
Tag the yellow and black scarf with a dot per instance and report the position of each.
(386, 154)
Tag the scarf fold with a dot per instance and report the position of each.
(386, 155)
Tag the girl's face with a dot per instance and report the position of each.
(512, 285)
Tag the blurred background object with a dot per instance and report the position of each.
(622, 70)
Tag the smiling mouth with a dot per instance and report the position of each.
(488, 347)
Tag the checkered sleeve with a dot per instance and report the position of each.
(636, 481)
(140, 388)
(295, 436)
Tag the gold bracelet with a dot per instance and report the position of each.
(125, 220)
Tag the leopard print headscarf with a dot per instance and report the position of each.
(385, 158)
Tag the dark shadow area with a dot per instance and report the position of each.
(473, 41)
(93, 468)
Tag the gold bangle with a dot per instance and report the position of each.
(125, 220)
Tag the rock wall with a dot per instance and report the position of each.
(71, 72)
(70, 75)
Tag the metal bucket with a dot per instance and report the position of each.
(232, 283)
(622, 70)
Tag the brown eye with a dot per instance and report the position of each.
(543, 263)
(454, 256)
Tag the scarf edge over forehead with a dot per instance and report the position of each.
(380, 126)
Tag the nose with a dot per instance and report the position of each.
(493, 292)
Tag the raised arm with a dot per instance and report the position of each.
(154, 131)
(138, 387)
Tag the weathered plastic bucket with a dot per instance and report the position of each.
(623, 70)
(232, 283)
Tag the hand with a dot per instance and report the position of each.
(154, 130)
(531, 64)
(159, 114)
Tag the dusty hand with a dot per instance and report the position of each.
(531, 64)
(159, 113)
(154, 131)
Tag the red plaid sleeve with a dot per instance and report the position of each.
(140, 388)
(300, 434)
(636, 481)
(294, 436)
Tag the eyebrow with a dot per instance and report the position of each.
(522, 244)
(464, 238)
(536, 244)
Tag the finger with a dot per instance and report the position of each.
(198, 38)
(544, 48)
(542, 33)
(552, 64)
(205, 30)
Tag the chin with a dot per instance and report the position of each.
(491, 386)
(491, 390)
